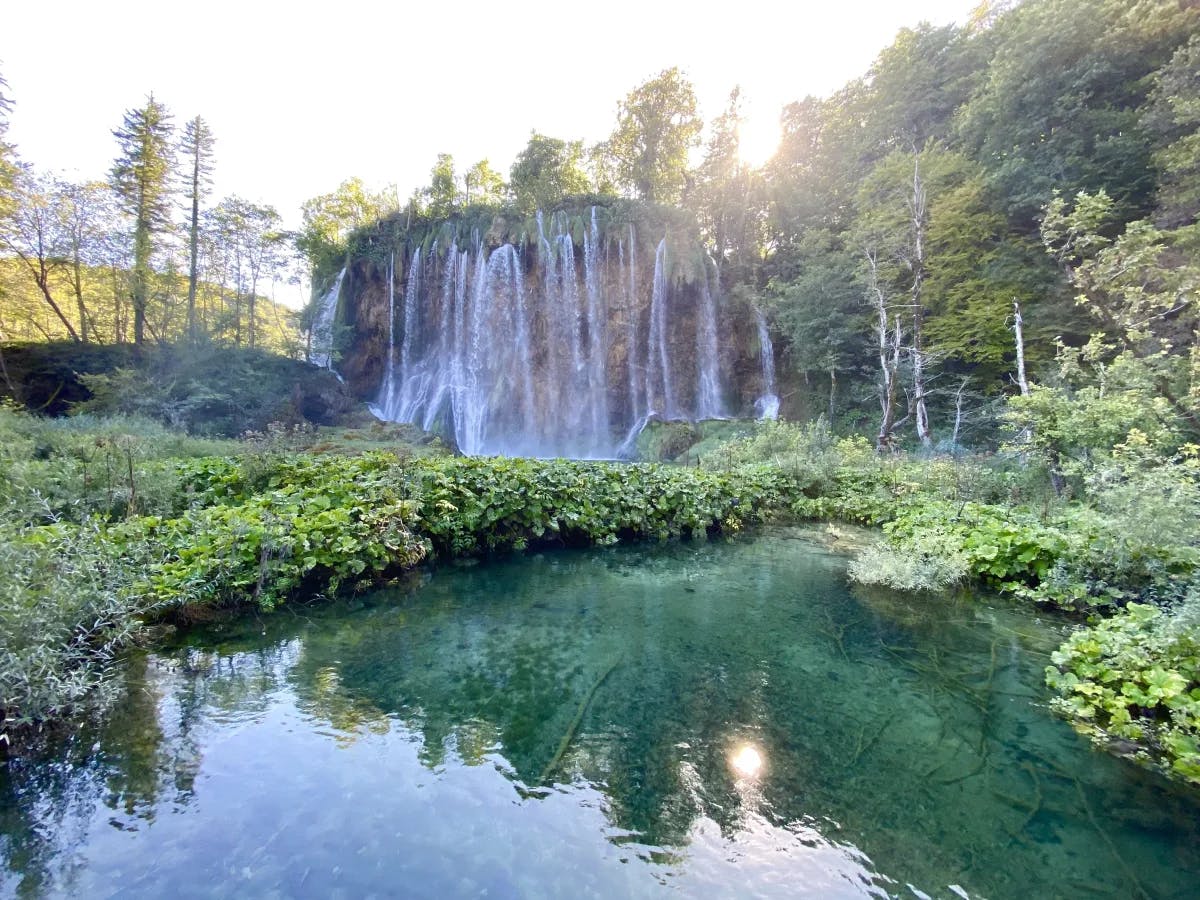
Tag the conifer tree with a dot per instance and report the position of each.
(197, 149)
(141, 178)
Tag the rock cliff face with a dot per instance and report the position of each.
(557, 336)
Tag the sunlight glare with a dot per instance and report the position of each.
(758, 139)
(747, 762)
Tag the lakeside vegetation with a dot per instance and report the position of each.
(981, 260)
(113, 525)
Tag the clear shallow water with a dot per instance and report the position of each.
(568, 724)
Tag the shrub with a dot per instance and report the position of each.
(931, 562)
(67, 608)
(1136, 678)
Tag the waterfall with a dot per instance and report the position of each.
(597, 375)
(709, 404)
(660, 393)
(557, 354)
(321, 333)
(412, 384)
(387, 396)
(637, 407)
(442, 378)
(767, 405)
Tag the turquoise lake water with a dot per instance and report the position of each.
(724, 719)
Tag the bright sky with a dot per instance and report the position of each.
(301, 97)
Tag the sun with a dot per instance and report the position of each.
(758, 139)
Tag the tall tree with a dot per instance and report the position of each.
(8, 166)
(724, 195)
(657, 125)
(443, 187)
(252, 241)
(483, 184)
(141, 177)
(85, 216)
(329, 218)
(547, 170)
(33, 234)
(197, 149)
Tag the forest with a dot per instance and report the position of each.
(977, 267)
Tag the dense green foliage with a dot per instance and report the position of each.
(113, 521)
(1136, 677)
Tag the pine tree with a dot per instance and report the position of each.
(141, 178)
(197, 149)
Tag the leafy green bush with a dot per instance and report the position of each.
(1136, 678)
(254, 533)
(219, 391)
(67, 608)
(318, 533)
(478, 505)
(808, 452)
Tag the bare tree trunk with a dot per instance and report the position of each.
(958, 405)
(12, 388)
(918, 210)
(40, 271)
(832, 390)
(43, 283)
(251, 310)
(1018, 330)
(77, 287)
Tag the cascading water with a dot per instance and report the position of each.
(597, 376)
(660, 392)
(321, 335)
(709, 404)
(767, 405)
(413, 380)
(387, 396)
(637, 405)
(558, 357)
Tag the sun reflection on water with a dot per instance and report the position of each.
(746, 761)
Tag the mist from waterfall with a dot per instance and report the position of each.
(548, 359)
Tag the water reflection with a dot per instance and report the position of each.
(746, 762)
(726, 720)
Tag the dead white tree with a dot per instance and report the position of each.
(958, 409)
(889, 353)
(1019, 333)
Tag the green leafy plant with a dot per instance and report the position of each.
(1135, 678)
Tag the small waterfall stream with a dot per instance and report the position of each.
(387, 399)
(709, 403)
(321, 341)
(767, 405)
(660, 393)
